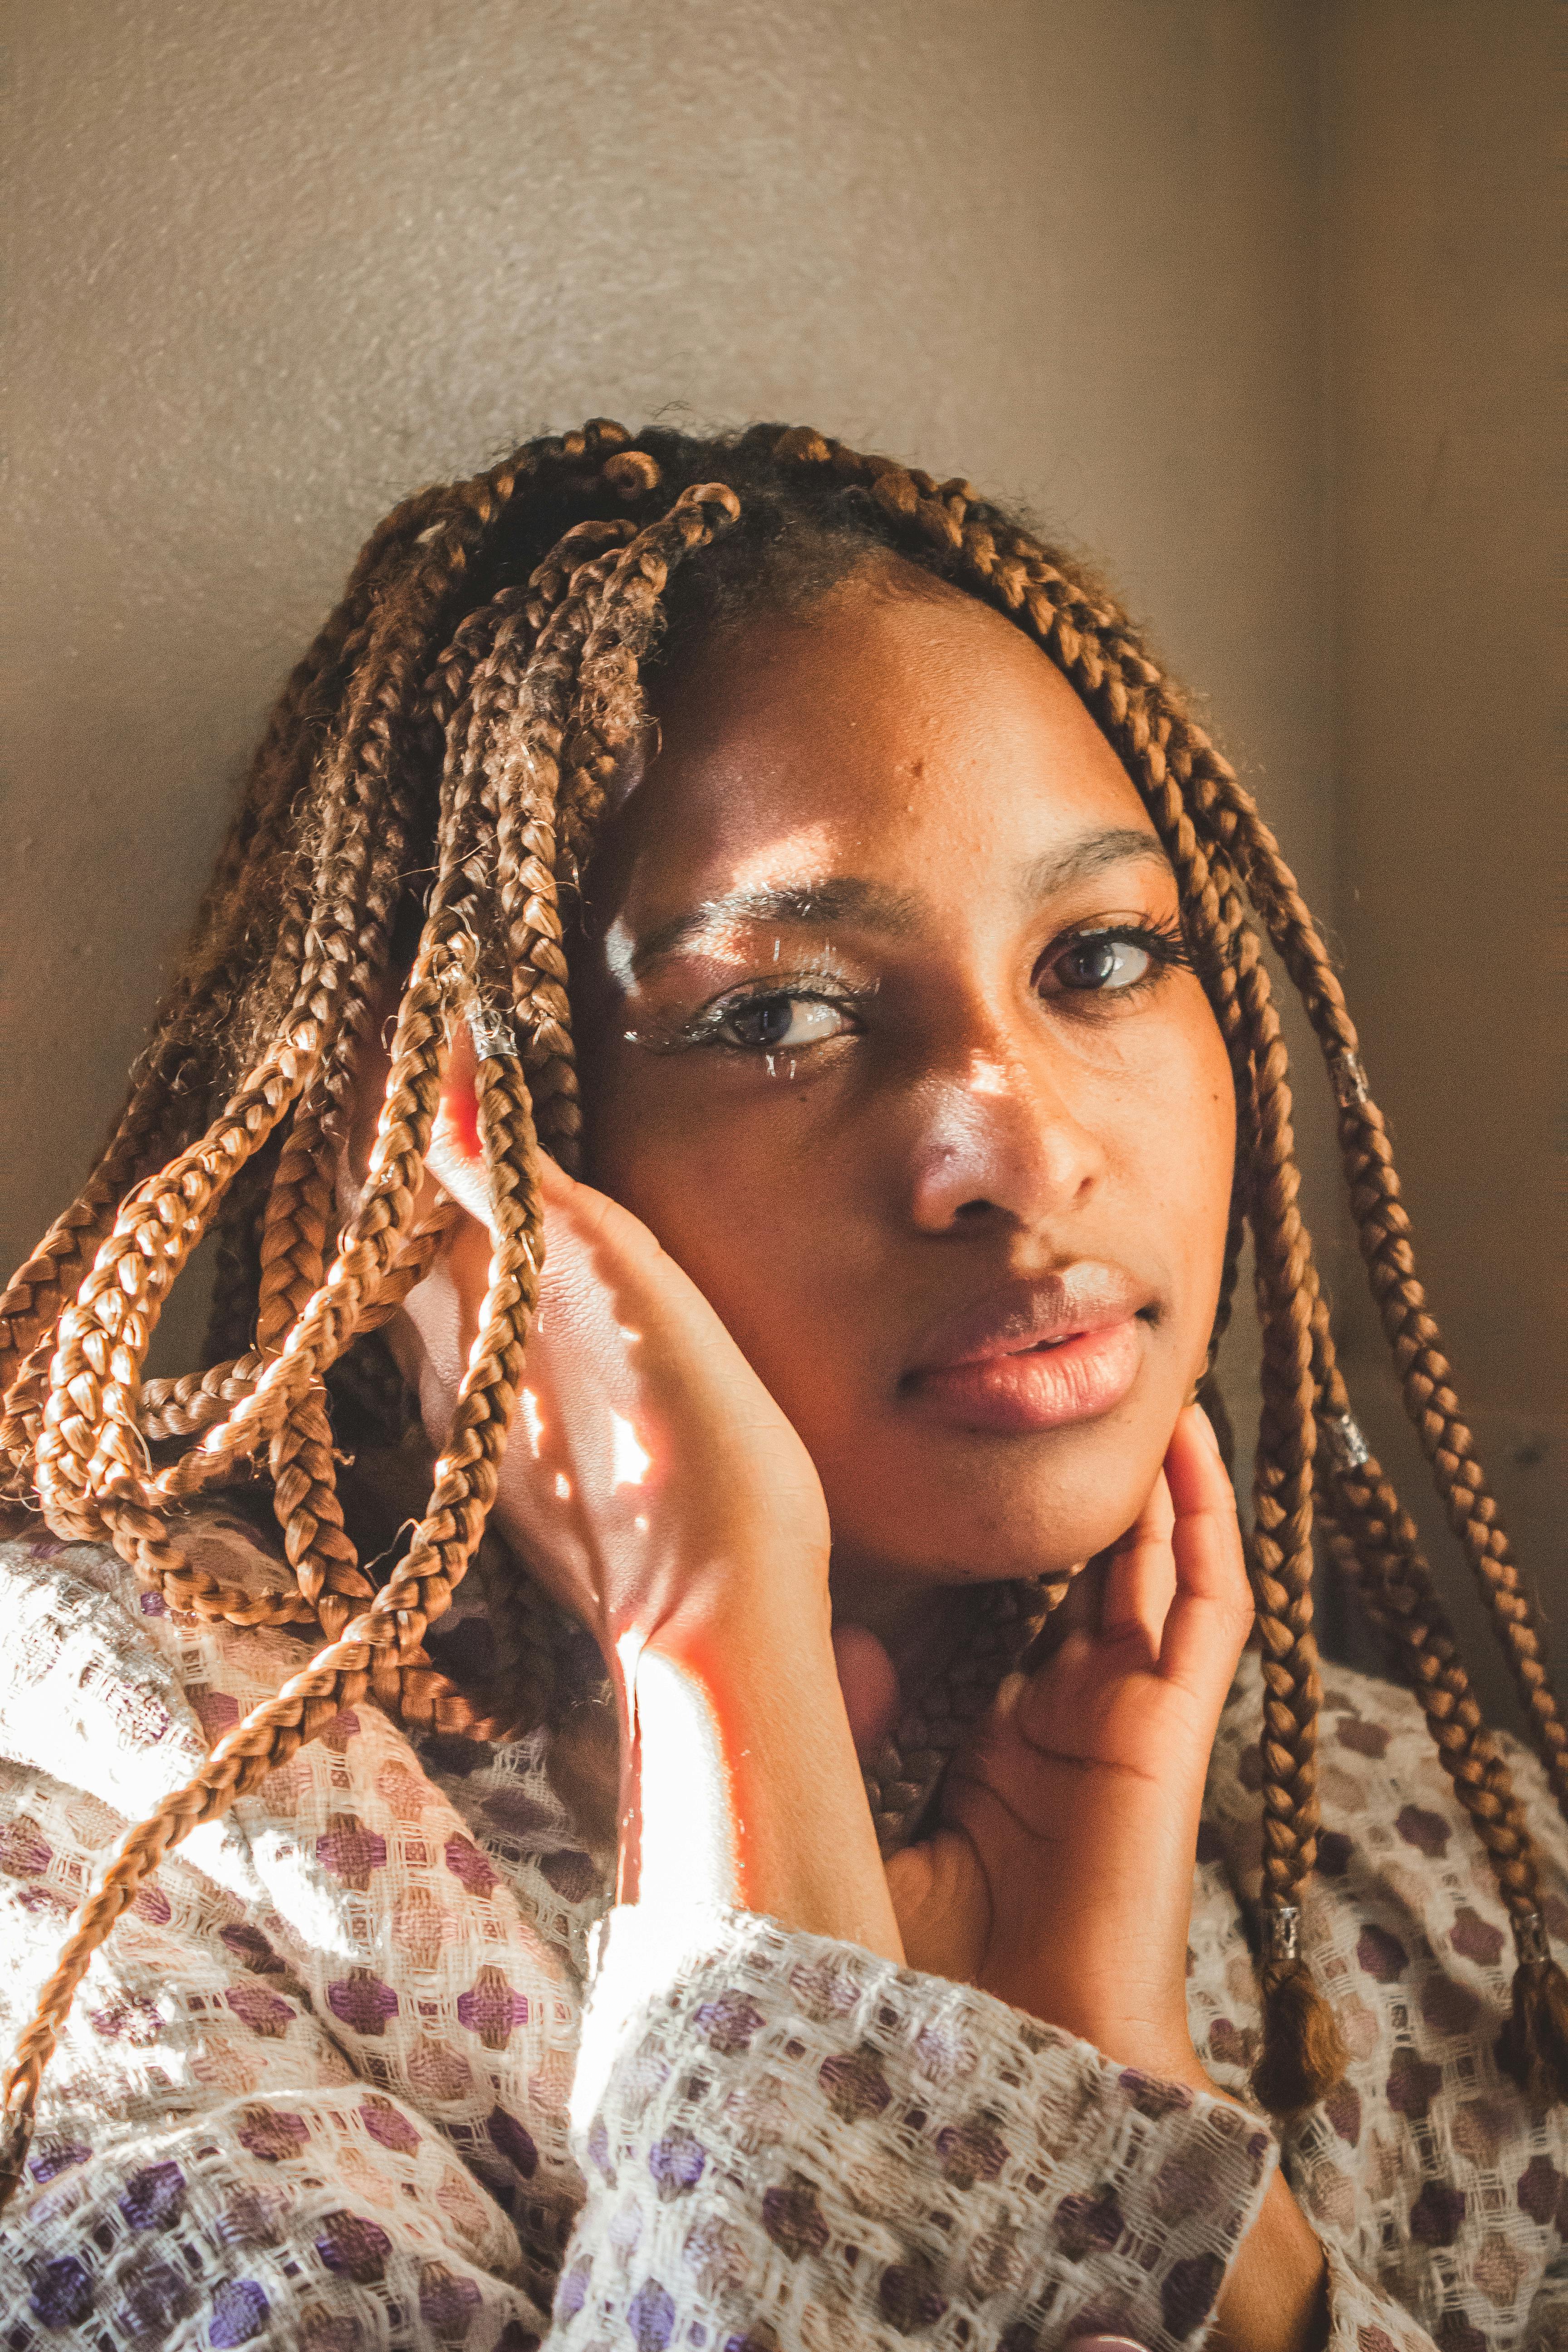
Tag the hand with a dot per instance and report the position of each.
(1060, 1878)
(657, 1489)
(649, 1470)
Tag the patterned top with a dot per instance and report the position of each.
(372, 2063)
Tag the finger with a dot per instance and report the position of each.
(942, 1905)
(595, 1219)
(1127, 1593)
(870, 1684)
(456, 1158)
(1211, 1614)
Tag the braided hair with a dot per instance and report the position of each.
(464, 713)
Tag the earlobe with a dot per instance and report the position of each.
(455, 1159)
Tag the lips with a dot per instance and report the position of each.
(1032, 1355)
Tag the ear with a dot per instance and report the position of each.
(456, 1158)
(454, 1161)
(372, 1069)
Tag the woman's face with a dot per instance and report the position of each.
(893, 1047)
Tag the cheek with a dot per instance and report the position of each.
(773, 1213)
(751, 1212)
(1185, 1149)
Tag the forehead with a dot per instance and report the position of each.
(907, 735)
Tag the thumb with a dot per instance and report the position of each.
(942, 1905)
(869, 1686)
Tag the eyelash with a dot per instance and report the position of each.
(1164, 943)
(707, 1027)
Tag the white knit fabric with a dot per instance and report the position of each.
(332, 2084)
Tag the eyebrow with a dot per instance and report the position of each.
(846, 899)
(1092, 853)
(872, 906)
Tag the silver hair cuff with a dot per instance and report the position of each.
(1349, 1080)
(494, 1038)
(1282, 1933)
(1343, 1443)
(1531, 1940)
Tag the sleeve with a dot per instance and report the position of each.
(788, 2141)
(312, 2091)
(1361, 2318)
(208, 2168)
(778, 2133)
(1438, 2188)
(1546, 2330)
(273, 2117)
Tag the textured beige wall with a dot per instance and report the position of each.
(1442, 322)
(1145, 263)
(273, 263)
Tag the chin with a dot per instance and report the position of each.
(995, 1510)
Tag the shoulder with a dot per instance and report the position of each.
(1426, 2164)
(1390, 1818)
(102, 1685)
(109, 1701)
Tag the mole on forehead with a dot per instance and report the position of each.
(875, 906)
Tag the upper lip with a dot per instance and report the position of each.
(1031, 1312)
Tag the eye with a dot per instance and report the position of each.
(782, 1023)
(1102, 962)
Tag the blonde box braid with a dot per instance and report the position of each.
(1375, 1545)
(534, 701)
(177, 1075)
(1384, 1229)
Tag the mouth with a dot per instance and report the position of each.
(1033, 1356)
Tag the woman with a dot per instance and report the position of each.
(794, 846)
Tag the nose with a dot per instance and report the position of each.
(999, 1137)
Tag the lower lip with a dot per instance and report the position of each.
(1042, 1388)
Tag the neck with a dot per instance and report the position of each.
(912, 1617)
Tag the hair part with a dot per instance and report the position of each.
(464, 714)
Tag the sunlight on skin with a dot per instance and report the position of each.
(686, 1813)
(930, 766)
(630, 1461)
(808, 848)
